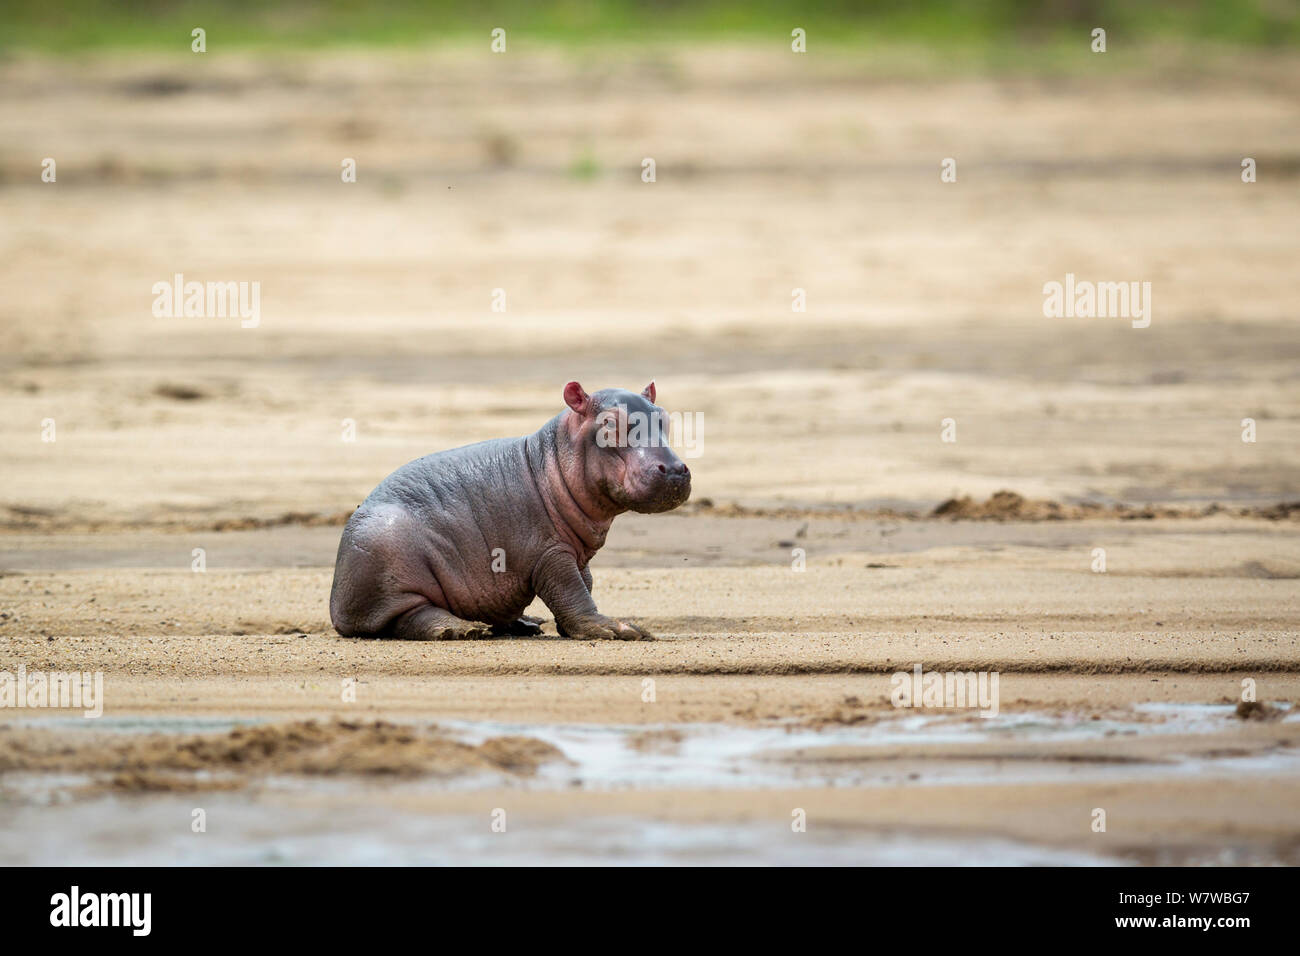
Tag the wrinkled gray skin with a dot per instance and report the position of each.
(416, 559)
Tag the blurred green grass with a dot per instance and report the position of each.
(986, 26)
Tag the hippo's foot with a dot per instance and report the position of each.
(598, 627)
(525, 626)
(430, 623)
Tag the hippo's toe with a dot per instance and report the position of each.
(601, 628)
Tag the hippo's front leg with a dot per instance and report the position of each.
(562, 587)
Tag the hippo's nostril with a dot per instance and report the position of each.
(675, 471)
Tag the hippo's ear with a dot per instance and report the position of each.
(576, 398)
(649, 393)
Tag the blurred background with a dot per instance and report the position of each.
(974, 26)
(486, 178)
(500, 239)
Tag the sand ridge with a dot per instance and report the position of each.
(308, 747)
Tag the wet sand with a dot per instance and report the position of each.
(1098, 674)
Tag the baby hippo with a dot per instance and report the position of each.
(457, 544)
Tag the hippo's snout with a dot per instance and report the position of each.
(669, 487)
(679, 484)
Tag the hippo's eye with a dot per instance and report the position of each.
(607, 432)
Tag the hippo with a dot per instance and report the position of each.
(455, 545)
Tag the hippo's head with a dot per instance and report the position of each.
(623, 437)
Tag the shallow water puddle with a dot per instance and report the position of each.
(723, 756)
(144, 724)
(155, 831)
(346, 818)
(912, 750)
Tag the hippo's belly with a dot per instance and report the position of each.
(455, 568)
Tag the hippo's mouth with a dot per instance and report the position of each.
(664, 494)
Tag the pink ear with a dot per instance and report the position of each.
(649, 392)
(576, 398)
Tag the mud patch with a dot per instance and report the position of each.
(849, 711)
(664, 740)
(1004, 505)
(179, 393)
(1258, 710)
(1009, 506)
(140, 781)
(16, 518)
(163, 762)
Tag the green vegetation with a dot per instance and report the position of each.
(70, 25)
(585, 166)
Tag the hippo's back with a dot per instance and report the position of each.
(440, 482)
